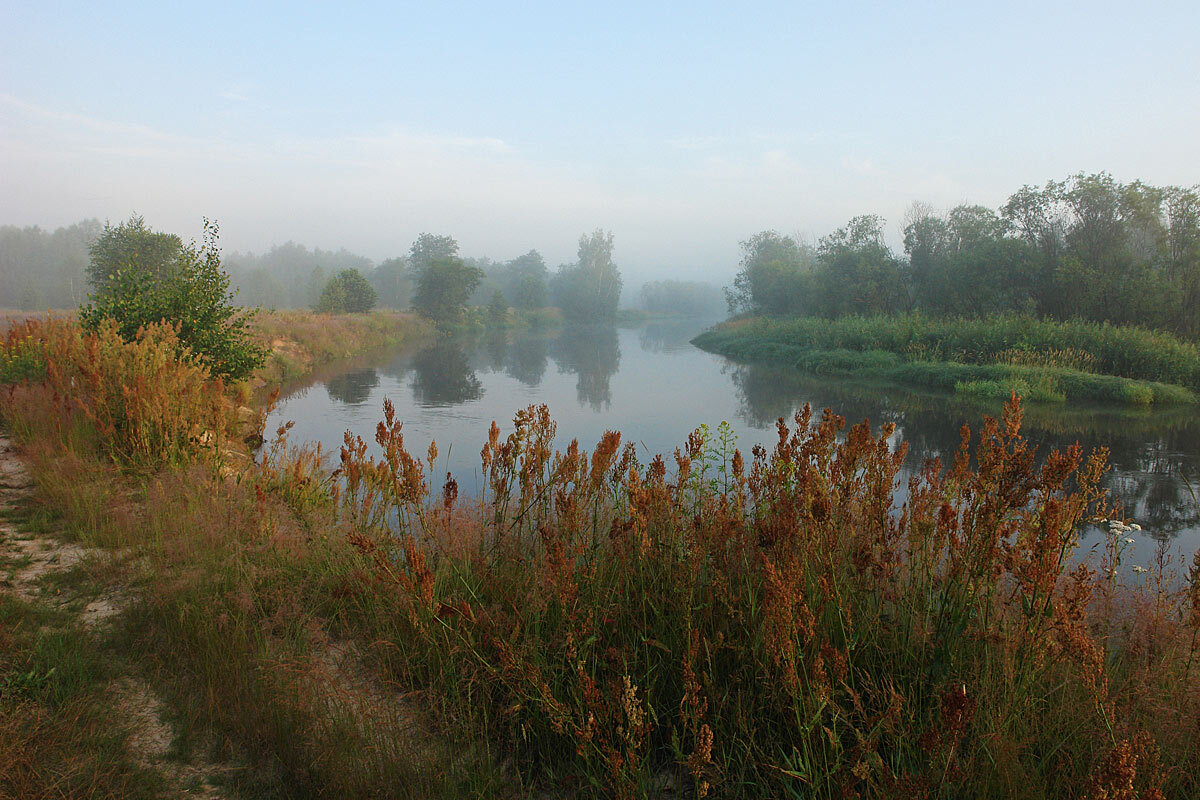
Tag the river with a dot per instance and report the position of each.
(653, 386)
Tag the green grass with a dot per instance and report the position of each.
(1042, 361)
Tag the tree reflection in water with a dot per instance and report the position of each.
(1152, 454)
(442, 375)
(353, 388)
(593, 353)
(527, 357)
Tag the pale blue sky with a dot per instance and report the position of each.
(681, 127)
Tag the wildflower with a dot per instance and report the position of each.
(1139, 570)
(1135, 526)
(1128, 540)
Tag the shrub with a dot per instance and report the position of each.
(148, 401)
(348, 292)
(497, 310)
(194, 297)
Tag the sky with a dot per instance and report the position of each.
(681, 127)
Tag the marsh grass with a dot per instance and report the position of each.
(1054, 361)
(298, 341)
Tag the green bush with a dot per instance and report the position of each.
(194, 296)
(348, 292)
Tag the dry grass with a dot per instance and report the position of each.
(299, 341)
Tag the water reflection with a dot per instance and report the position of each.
(670, 335)
(654, 387)
(494, 350)
(593, 354)
(442, 375)
(1152, 455)
(354, 387)
(527, 358)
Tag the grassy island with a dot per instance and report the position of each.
(1040, 360)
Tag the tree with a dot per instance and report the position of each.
(429, 248)
(859, 273)
(525, 281)
(393, 281)
(443, 288)
(497, 309)
(131, 246)
(348, 292)
(775, 276)
(590, 288)
(192, 293)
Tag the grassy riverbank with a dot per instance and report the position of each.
(596, 624)
(1040, 360)
(299, 341)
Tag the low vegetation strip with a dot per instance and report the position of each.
(298, 341)
(1041, 360)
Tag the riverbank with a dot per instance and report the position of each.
(598, 624)
(1039, 360)
(299, 341)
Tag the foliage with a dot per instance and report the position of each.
(147, 399)
(393, 283)
(22, 355)
(348, 292)
(497, 309)
(590, 289)
(132, 247)
(1087, 247)
(525, 281)
(443, 288)
(775, 276)
(428, 248)
(192, 295)
(289, 275)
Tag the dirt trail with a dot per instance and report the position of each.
(31, 559)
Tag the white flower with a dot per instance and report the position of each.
(1138, 570)
(1136, 527)
(1128, 540)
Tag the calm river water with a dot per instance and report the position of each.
(655, 387)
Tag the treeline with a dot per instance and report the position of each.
(1086, 247)
(41, 269)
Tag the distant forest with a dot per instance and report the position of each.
(42, 269)
(1086, 247)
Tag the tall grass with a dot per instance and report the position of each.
(144, 403)
(774, 628)
(1069, 360)
(298, 341)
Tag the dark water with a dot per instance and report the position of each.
(654, 387)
